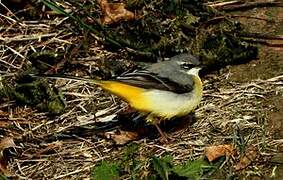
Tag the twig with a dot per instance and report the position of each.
(221, 4)
(263, 42)
(164, 148)
(275, 78)
(13, 66)
(27, 37)
(78, 171)
(248, 5)
(8, 10)
(251, 17)
(15, 52)
(261, 36)
(14, 21)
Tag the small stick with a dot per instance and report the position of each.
(248, 5)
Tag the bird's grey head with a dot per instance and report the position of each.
(189, 67)
(186, 61)
(185, 58)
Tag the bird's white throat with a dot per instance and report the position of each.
(194, 71)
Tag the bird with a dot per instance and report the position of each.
(162, 90)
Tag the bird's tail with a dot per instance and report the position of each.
(67, 77)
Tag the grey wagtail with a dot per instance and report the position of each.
(164, 90)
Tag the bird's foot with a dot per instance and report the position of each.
(164, 137)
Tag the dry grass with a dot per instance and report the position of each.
(230, 112)
(225, 115)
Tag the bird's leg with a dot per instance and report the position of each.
(163, 135)
(155, 122)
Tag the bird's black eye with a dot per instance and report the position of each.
(187, 66)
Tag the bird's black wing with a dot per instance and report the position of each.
(148, 80)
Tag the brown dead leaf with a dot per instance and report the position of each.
(121, 137)
(247, 158)
(114, 12)
(214, 152)
(5, 143)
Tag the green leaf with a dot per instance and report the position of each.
(106, 171)
(57, 8)
(60, 10)
(192, 169)
(130, 151)
(2, 177)
(162, 166)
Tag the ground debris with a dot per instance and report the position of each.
(34, 92)
(121, 137)
(56, 43)
(5, 143)
(114, 12)
(214, 152)
(247, 158)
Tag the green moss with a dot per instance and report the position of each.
(44, 60)
(218, 45)
(34, 92)
(107, 170)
